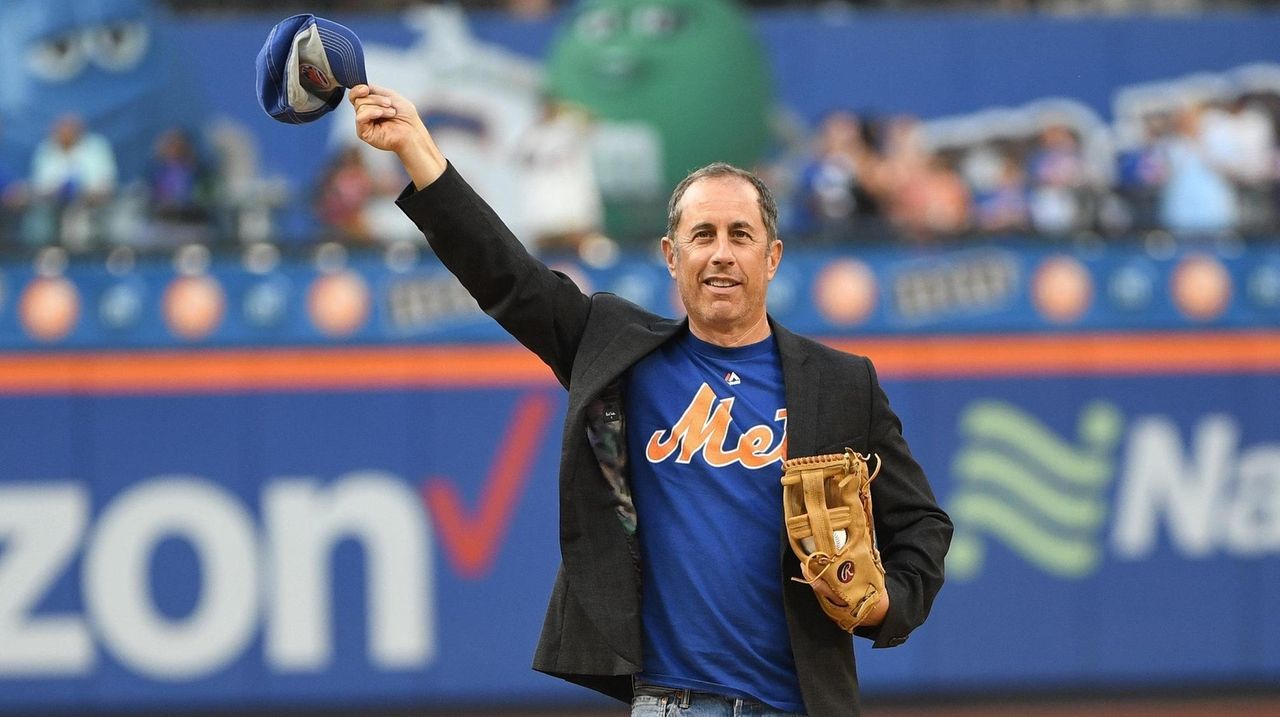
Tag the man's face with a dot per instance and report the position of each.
(67, 132)
(721, 258)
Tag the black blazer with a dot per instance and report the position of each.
(592, 632)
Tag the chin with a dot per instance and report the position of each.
(719, 318)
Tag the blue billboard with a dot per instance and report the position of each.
(256, 538)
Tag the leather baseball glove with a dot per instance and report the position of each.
(827, 507)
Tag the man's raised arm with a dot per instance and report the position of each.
(541, 308)
(388, 121)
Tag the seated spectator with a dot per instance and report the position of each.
(1059, 182)
(563, 210)
(73, 179)
(1239, 142)
(1002, 206)
(345, 189)
(179, 190)
(1143, 170)
(830, 195)
(1197, 198)
(924, 196)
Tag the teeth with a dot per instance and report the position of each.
(723, 283)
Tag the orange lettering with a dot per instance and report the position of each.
(753, 444)
(704, 429)
(694, 429)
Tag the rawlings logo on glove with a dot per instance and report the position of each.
(827, 507)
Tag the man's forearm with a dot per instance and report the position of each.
(423, 161)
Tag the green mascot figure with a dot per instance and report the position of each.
(673, 84)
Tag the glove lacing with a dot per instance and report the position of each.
(826, 561)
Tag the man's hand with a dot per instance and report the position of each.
(877, 614)
(873, 619)
(387, 121)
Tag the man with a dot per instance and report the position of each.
(675, 584)
(73, 178)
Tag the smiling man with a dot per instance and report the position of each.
(723, 252)
(675, 590)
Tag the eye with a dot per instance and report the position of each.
(56, 59)
(655, 21)
(599, 24)
(120, 46)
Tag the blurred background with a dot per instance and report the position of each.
(260, 454)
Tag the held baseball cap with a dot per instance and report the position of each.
(304, 66)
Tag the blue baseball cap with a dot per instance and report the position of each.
(304, 66)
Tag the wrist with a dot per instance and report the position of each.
(422, 159)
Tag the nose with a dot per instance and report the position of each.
(723, 252)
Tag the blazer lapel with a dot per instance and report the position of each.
(626, 347)
(802, 390)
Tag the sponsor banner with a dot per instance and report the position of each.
(277, 548)
(282, 542)
(1014, 287)
(1109, 531)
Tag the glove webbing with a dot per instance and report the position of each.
(813, 486)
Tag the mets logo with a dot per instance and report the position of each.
(313, 78)
(844, 573)
(704, 429)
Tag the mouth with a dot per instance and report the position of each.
(721, 283)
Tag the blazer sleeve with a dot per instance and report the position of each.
(913, 532)
(541, 308)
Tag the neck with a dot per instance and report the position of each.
(734, 336)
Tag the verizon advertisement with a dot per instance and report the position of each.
(165, 543)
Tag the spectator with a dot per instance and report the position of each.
(345, 191)
(73, 180)
(925, 197)
(1239, 141)
(562, 208)
(1002, 205)
(831, 196)
(1143, 170)
(179, 190)
(1197, 198)
(1059, 182)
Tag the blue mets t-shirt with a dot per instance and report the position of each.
(706, 436)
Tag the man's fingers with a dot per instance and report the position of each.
(373, 112)
(825, 591)
(373, 100)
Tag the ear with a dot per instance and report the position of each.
(773, 258)
(669, 252)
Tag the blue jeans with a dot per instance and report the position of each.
(654, 701)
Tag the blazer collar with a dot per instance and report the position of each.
(802, 385)
(627, 347)
(799, 373)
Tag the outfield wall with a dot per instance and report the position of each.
(210, 521)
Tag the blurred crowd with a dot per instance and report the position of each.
(1206, 168)
(198, 188)
(1195, 168)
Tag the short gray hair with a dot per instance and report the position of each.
(717, 170)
